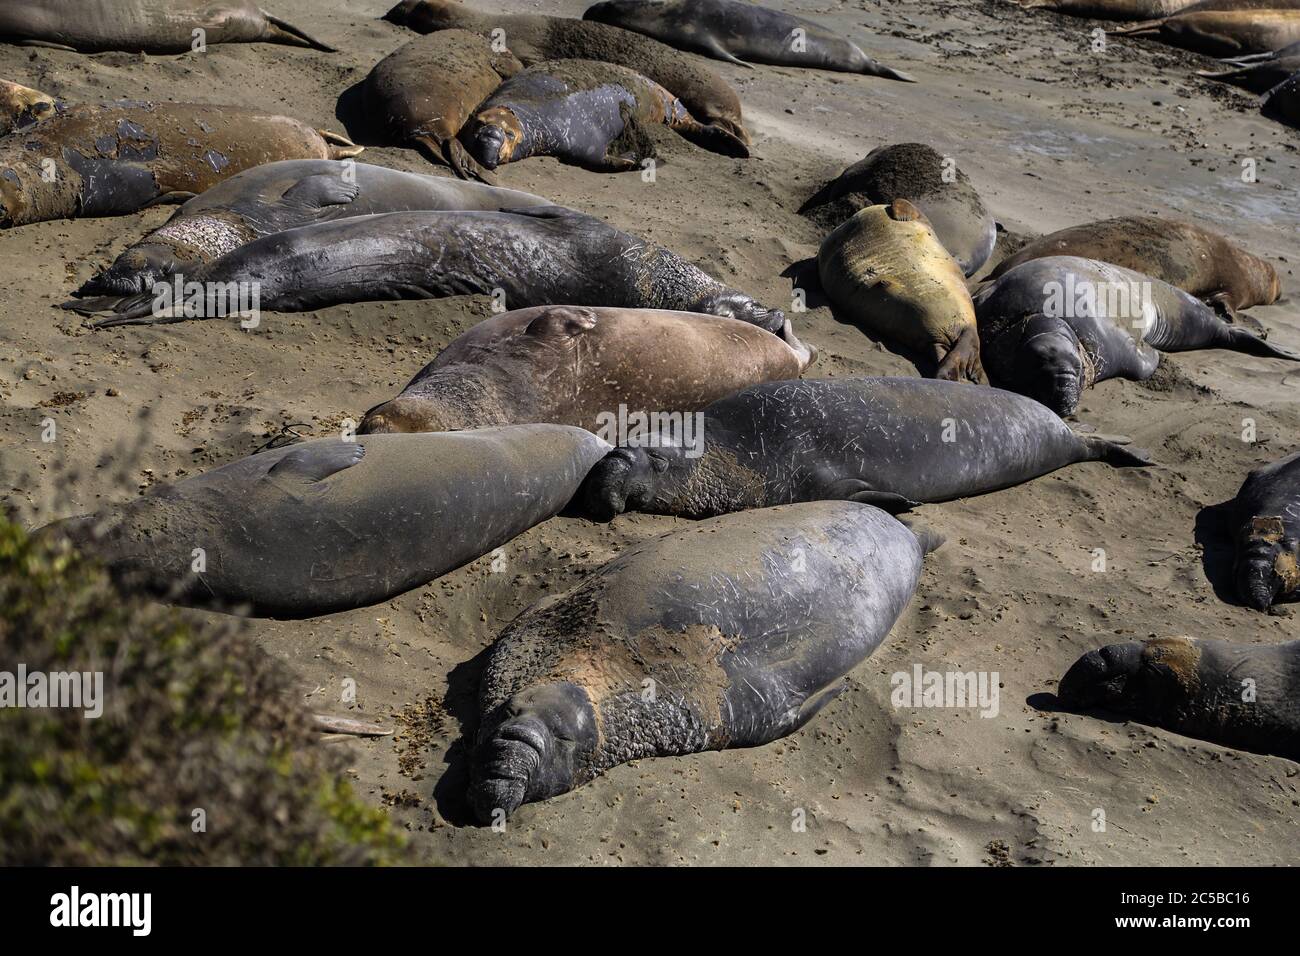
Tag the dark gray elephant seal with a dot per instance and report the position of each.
(144, 26)
(1283, 101)
(1052, 327)
(1266, 512)
(268, 199)
(919, 174)
(545, 255)
(330, 525)
(731, 633)
(734, 31)
(118, 158)
(1259, 72)
(1245, 696)
(582, 112)
(891, 442)
(22, 106)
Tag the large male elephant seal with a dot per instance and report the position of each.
(577, 366)
(1195, 260)
(1111, 9)
(1259, 72)
(734, 31)
(1052, 327)
(535, 39)
(1245, 696)
(926, 179)
(1266, 512)
(544, 255)
(22, 106)
(891, 442)
(272, 198)
(331, 525)
(731, 633)
(424, 92)
(581, 111)
(886, 269)
(118, 158)
(1227, 27)
(144, 26)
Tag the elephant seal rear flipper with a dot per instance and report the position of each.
(293, 36)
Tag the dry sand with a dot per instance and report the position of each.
(1052, 134)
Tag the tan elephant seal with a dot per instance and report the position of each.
(1226, 27)
(22, 106)
(1110, 9)
(886, 270)
(579, 366)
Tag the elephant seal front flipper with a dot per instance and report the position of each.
(1238, 695)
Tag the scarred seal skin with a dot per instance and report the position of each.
(1259, 72)
(425, 91)
(1226, 27)
(536, 39)
(1052, 327)
(886, 270)
(109, 160)
(1267, 514)
(268, 199)
(22, 106)
(1185, 255)
(330, 525)
(731, 633)
(577, 366)
(1245, 696)
(579, 111)
(931, 182)
(734, 31)
(891, 442)
(1111, 9)
(144, 26)
(544, 255)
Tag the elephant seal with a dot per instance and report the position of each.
(328, 525)
(890, 442)
(544, 255)
(1195, 260)
(919, 174)
(145, 26)
(426, 91)
(734, 31)
(22, 106)
(536, 39)
(1259, 72)
(1267, 514)
(272, 198)
(1226, 27)
(1052, 327)
(886, 269)
(119, 158)
(581, 111)
(1283, 101)
(576, 366)
(1245, 696)
(1110, 9)
(731, 633)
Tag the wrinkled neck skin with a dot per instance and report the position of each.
(540, 743)
(448, 398)
(1051, 364)
(674, 283)
(1266, 566)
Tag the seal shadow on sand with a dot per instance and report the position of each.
(803, 275)
(461, 702)
(1213, 532)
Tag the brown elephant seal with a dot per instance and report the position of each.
(543, 255)
(734, 31)
(22, 106)
(885, 269)
(1266, 512)
(1245, 696)
(118, 158)
(425, 91)
(1283, 101)
(582, 112)
(574, 366)
(328, 525)
(731, 633)
(1052, 327)
(144, 26)
(929, 181)
(1196, 260)
(889, 442)
(1226, 27)
(1110, 9)
(271, 198)
(1259, 72)
(535, 39)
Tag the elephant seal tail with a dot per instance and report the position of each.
(929, 539)
(1241, 340)
(1100, 448)
(716, 139)
(872, 68)
(1145, 28)
(340, 147)
(289, 34)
